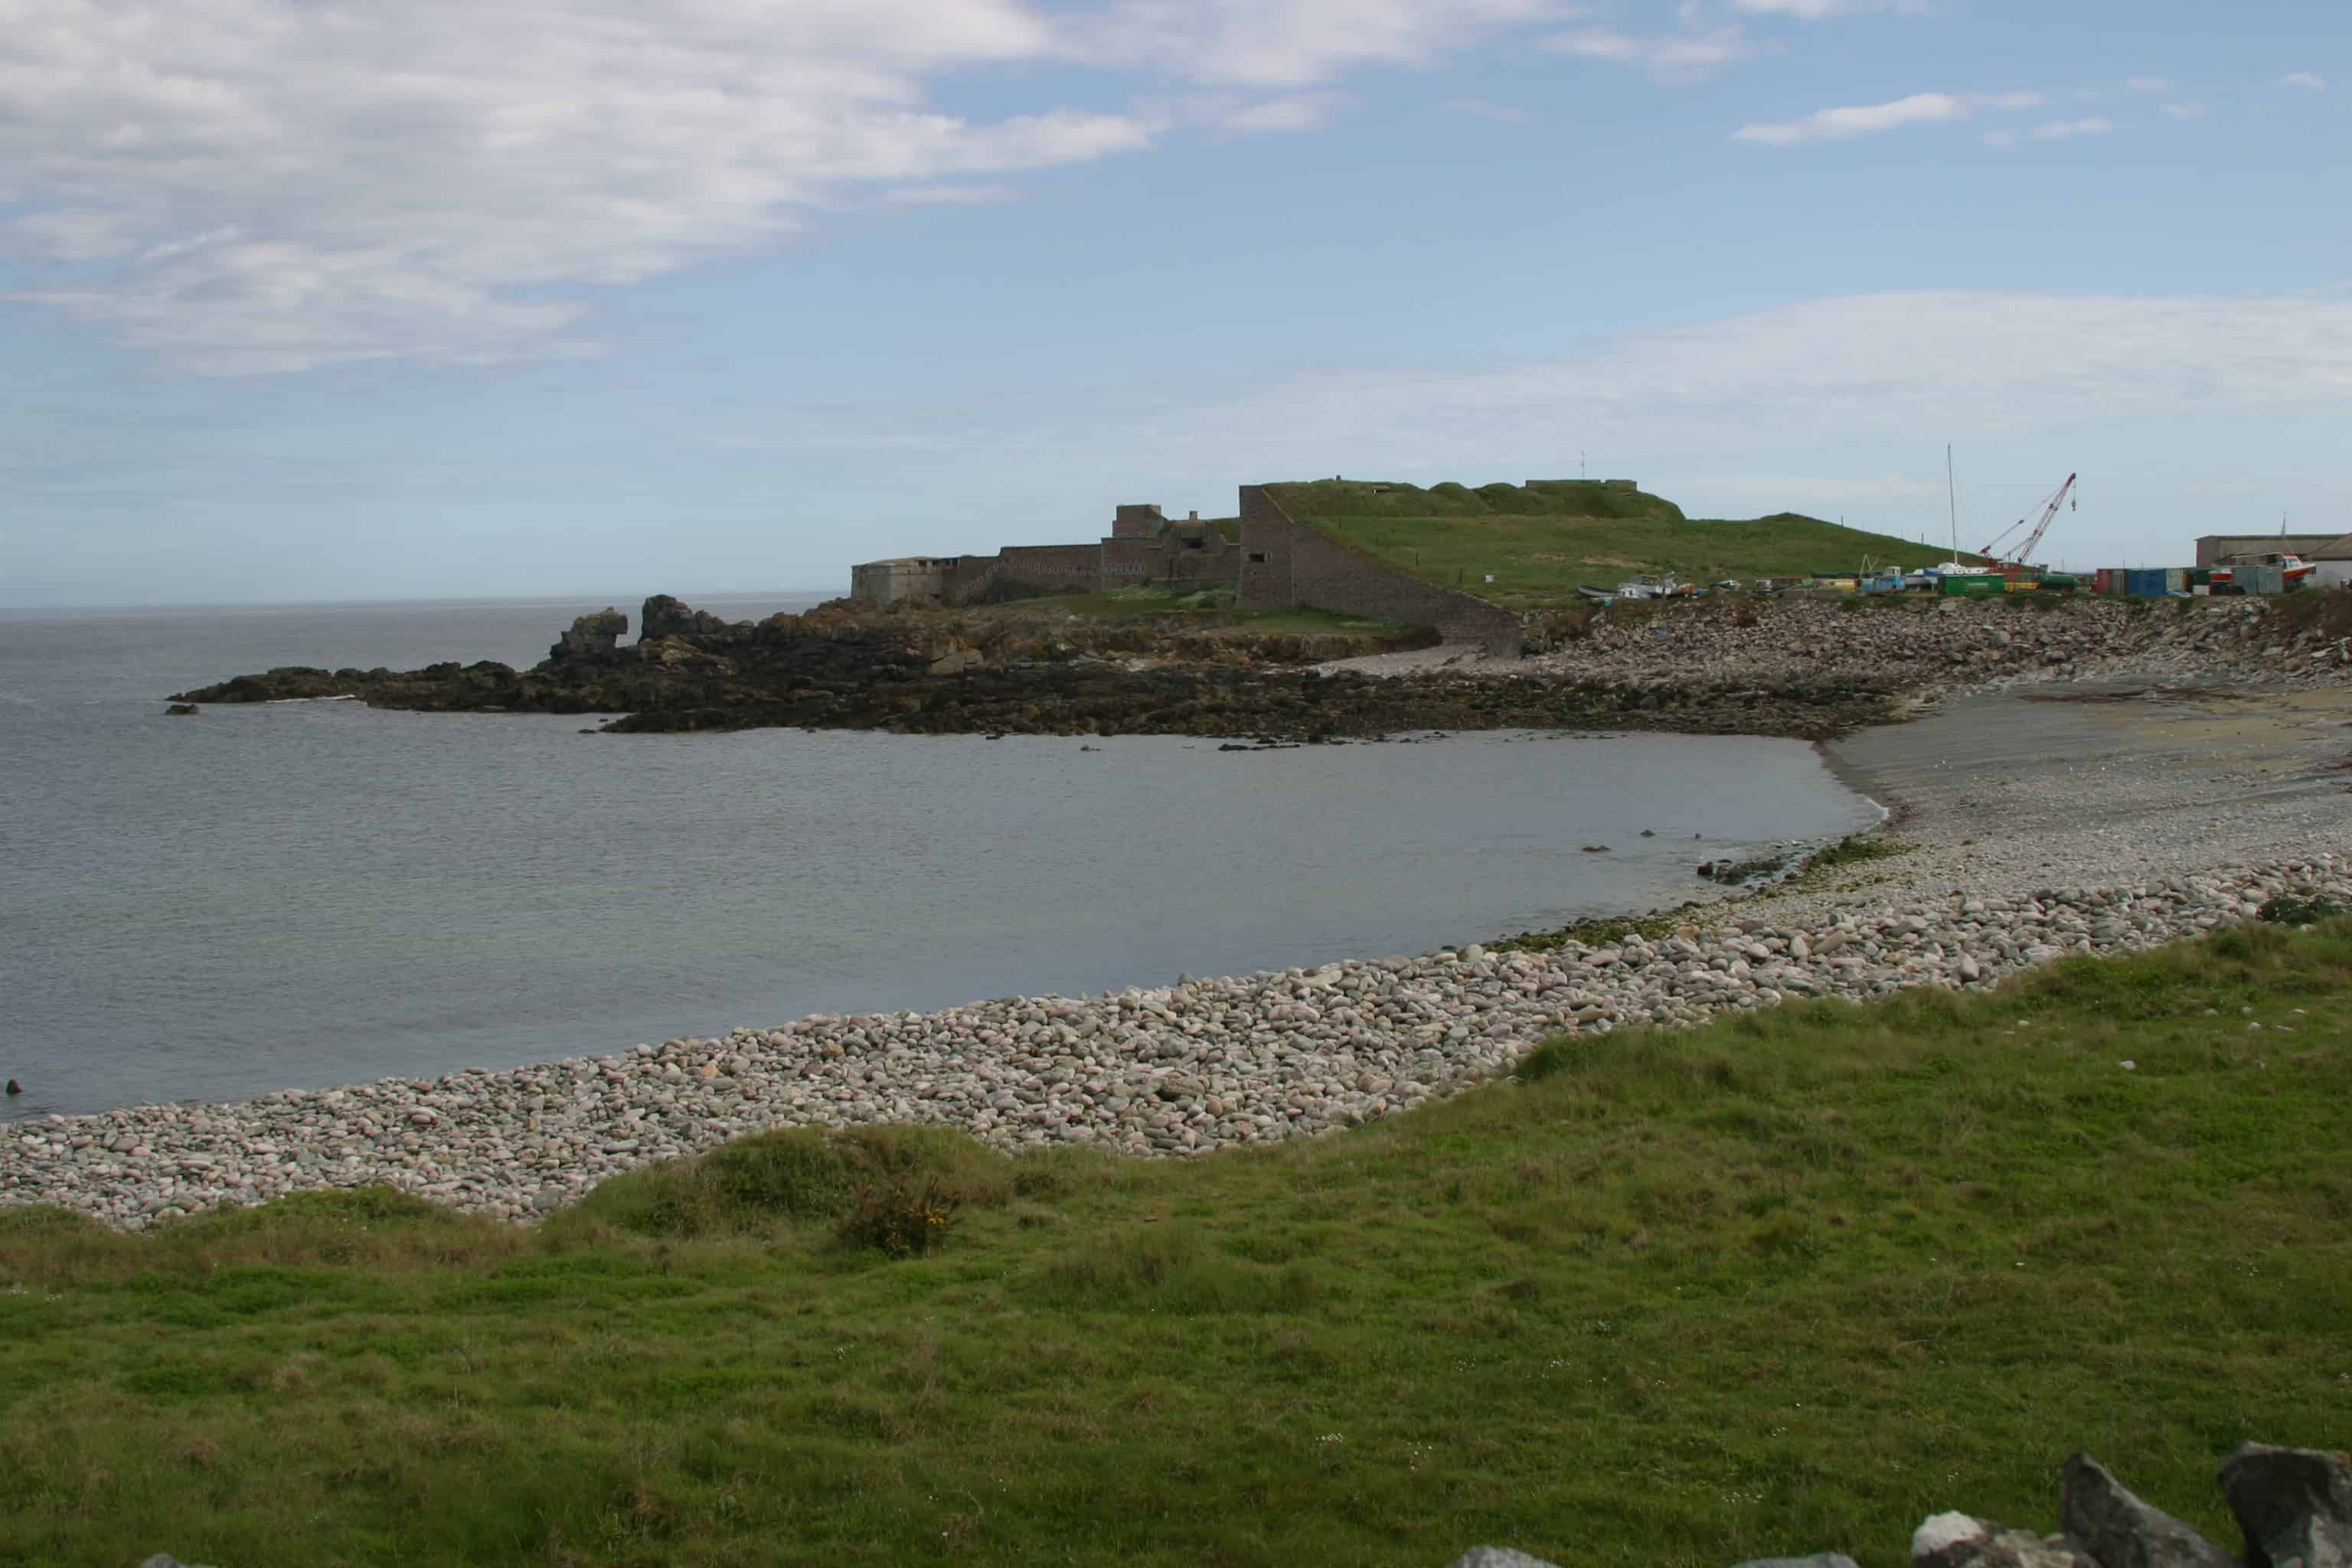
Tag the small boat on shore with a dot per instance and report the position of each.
(1586, 590)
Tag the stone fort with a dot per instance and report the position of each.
(1267, 557)
(1144, 546)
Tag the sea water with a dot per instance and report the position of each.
(304, 894)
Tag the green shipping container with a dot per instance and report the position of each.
(1974, 585)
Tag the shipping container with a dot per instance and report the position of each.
(2176, 579)
(2145, 583)
(1973, 584)
(2259, 579)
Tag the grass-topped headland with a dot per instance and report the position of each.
(1540, 540)
(1792, 1281)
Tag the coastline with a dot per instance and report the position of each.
(2161, 817)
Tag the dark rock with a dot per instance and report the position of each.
(664, 617)
(1818, 1560)
(15, 1088)
(591, 634)
(1964, 1540)
(2294, 1505)
(836, 669)
(2121, 1530)
(182, 710)
(1497, 1557)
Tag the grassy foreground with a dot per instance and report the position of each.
(1540, 540)
(1790, 1282)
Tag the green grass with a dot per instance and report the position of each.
(1209, 608)
(1790, 1282)
(1539, 543)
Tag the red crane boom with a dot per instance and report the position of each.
(2025, 551)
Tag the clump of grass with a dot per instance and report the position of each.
(2288, 909)
(799, 1174)
(901, 1219)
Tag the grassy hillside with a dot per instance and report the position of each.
(1790, 1282)
(1539, 541)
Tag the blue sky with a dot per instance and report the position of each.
(565, 296)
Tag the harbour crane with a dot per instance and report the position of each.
(2025, 551)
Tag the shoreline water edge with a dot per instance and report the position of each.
(2043, 823)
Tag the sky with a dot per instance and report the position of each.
(321, 300)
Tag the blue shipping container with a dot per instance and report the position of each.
(2144, 583)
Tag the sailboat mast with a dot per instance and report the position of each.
(1952, 501)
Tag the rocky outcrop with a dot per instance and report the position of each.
(591, 634)
(664, 617)
(1964, 1540)
(1938, 645)
(918, 674)
(1804, 670)
(2122, 1531)
(2294, 1505)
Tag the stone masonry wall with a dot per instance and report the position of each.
(1288, 563)
(1056, 567)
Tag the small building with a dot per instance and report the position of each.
(2331, 563)
(902, 579)
(2214, 548)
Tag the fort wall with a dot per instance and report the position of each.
(1288, 563)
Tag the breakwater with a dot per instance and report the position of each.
(1174, 1071)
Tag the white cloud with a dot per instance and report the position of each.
(1674, 57)
(1292, 111)
(1858, 372)
(1484, 110)
(1870, 119)
(2058, 130)
(1863, 120)
(2149, 84)
(2317, 83)
(2185, 110)
(1284, 43)
(265, 185)
(950, 195)
(1816, 10)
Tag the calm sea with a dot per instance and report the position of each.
(311, 893)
